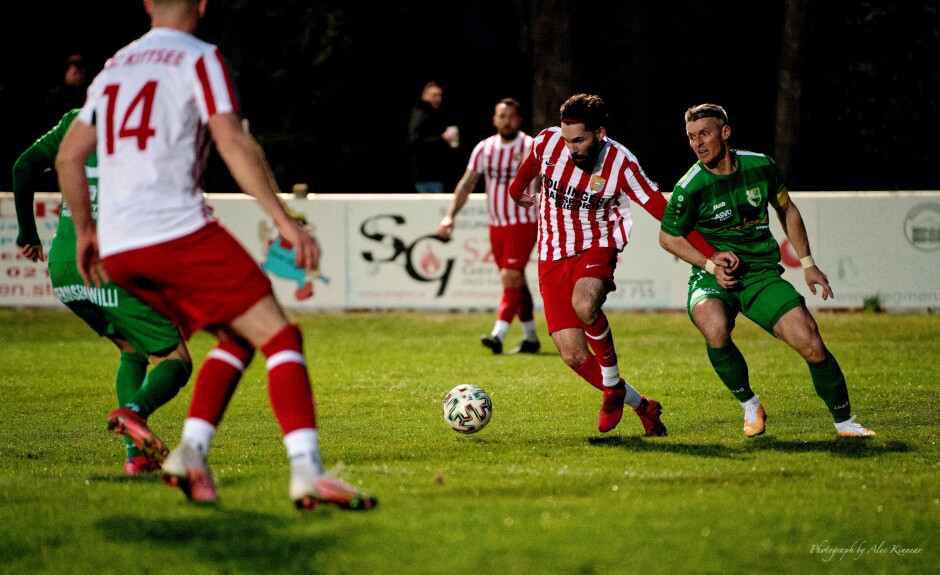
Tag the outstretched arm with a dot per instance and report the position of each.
(465, 187)
(249, 167)
(792, 221)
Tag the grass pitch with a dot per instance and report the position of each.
(538, 491)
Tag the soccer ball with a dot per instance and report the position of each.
(467, 408)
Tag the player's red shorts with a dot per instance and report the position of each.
(512, 245)
(202, 280)
(557, 279)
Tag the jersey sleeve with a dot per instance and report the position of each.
(527, 171)
(27, 167)
(679, 216)
(215, 88)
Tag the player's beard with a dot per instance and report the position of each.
(587, 160)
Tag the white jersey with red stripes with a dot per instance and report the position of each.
(579, 210)
(151, 105)
(498, 162)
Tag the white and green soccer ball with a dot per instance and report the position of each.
(467, 408)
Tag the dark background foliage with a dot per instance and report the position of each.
(327, 85)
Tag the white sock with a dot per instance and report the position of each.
(633, 397)
(753, 402)
(530, 332)
(500, 329)
(198, 434)
(303, 450)
(611, 375)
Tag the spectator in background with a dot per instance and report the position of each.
(513, 229)
(431, 141)
(68, 95)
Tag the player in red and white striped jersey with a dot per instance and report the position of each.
(513, 228)
(587, 184)
(149, 115)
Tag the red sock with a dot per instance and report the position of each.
(288, 381)
(526, 306)
(217, 379)
(601, 341)
(509, 305)
(590, 371)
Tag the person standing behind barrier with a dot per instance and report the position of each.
(431, 141)
(513, 229)
(151, 115)
(726, 196)
(67, 95)
(141, 334)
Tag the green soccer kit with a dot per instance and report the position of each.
(732, 212)
(109, 309)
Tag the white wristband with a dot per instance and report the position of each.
(710, 267)
(807, 262)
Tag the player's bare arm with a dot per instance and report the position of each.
(795, 229)
(78, 144)
(683, 249)
(465, 187)
(249, 168)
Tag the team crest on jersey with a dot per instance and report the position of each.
(597, 183)
(754, 196)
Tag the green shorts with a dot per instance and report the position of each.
(112, 311)
(763, 296)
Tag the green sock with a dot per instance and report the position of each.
(132, 370)
(161, 385)
(829, 382)
(731, 368)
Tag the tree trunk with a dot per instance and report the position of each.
(551, 60)
(789, 92)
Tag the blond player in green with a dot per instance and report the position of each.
(727, 196)
(142, 335)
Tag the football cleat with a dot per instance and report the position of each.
(185, 469)
(649, 412)
(754, 418)
(140, 465)
(493, 343)
(611, 407)
(526, 346)
(849, 428)
(308, 493)
(123, 421)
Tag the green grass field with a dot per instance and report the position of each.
(538, 491)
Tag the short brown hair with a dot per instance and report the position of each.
(587, 109)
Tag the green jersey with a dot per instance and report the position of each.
(731, 211)
(38, 157)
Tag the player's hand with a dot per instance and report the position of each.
(526, 200)
(88, 261)
(446, 228)
(306, 246)
(725, 278)
(727, 260)
(814, 276)
(32, 252)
